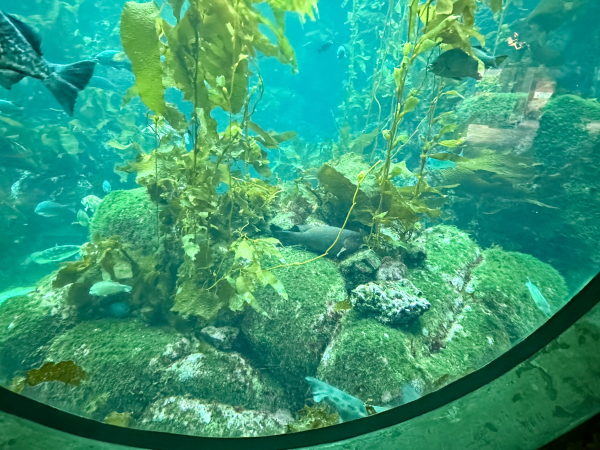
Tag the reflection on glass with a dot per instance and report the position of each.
(257, 219)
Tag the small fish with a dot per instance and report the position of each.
(347, 406)
(8, 107)
(92, 202)
(320, 238)
(455, 64)
(21, 56)
(341, 52)
(488, 60)
(103, 83)
(83, 219)
(119, 309)
(325, 46)
(16, 292)
(106, 288)
(539, 298)
(113, 58)
(55, 254)
(106, 187)
(51, 209)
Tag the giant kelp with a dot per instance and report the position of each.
(208, 55)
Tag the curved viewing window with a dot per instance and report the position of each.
(235, 219)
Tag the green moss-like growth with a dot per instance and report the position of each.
(131, 215)
(479, 307)
(28, 323)
(494, 109)
(500, 281)
(291, 340)
(202, 418)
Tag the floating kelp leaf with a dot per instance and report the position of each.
(55, 254)
(190, 248)
(195, 301)
(116, 145)
(66, 372)
(447, 156)
(444, 6)
(118, 419)
(69, 143)
(311, 418)
(141, 44)
(177, 5)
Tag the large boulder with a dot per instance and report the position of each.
(28, 324)
(129, 364)
(129, 214)
(194, 417)
(292, 338)
(477, 312)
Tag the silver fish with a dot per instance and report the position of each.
(113, 58)
(21, 56)
(55, 254)
(106, 288)
(92, 202)
(488, 60)
(347, 406)
(51, 209)
(106, 187)
(83, 219)
(539, 298)
(8, 106)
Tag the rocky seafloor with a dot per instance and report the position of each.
(421, 325)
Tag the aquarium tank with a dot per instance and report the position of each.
(284, 218)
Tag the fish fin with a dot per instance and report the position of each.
(8, 78)
(499, 60)
(28, 33)
(66, 82)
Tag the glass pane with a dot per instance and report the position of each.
(233, 219)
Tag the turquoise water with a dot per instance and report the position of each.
(264, 218)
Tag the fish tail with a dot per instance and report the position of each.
(66, 82)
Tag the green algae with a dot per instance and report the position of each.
(290, 341)
(131, 215)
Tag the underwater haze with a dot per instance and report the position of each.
(235, 218)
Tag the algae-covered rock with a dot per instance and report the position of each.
(128, 364)
(183, 415)
(470, 321)
(392, 303)
(28, 323)
(391, 270)
(360, 268)
(500, 282)
(291, 340)
(131, 215)
(222, 377)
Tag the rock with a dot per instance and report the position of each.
(477, 312)
(292, 339)
(360, 268)
(28, 324)
(129, 364)
(189, 416)
(415, 256)
(223, 378)
(391, 270)
(131, 215)
(390, 302)
(222, 338)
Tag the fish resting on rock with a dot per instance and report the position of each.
(21, 56)
(319, 238)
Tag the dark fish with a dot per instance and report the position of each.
(113, 58)
(488, 60)
(21, 56)
(455, 64)
(319, 238)
(325, 46)
(341, 52)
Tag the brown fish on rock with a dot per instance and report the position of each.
(319, 238)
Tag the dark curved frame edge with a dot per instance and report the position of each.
(48, 416)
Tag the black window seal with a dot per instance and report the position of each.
(28, 409)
